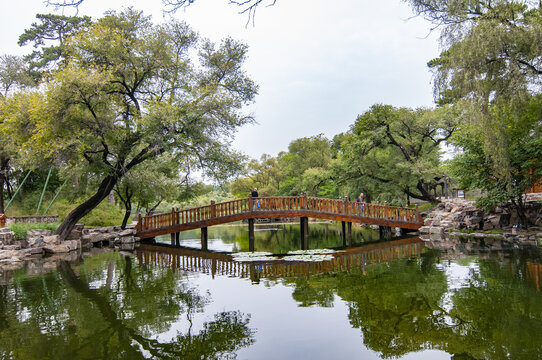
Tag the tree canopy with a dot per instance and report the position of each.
(131, 90)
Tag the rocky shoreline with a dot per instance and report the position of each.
(43, 244)
(455, 222)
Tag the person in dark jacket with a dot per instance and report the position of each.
(254, 194)
(359, 200)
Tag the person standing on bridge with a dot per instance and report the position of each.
(254, 194)
(359, 200)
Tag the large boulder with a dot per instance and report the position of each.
(6, 236)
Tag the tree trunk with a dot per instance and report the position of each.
(524, 220)
(86, 207)
(1, 194)
(425, 194)
(3, 180)
(127, 213)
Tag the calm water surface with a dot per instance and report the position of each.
(397, 299)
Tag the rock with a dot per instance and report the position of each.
(72, 244)
(6, 236)
(33, 251)
(12, 247)
(127, 239)
(102, 237)
(436, 230)
(55, 249)
(424, 230)
(51, 240)
(35, 242)
(33, 233)
(4, 254)
(75, 235)
(474, 221)
(127, 232)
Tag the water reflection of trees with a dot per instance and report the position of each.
(117, 312)
(406, 306)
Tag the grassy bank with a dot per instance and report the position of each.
(20, 229)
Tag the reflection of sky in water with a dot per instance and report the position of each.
(457, 277)
(212, 244)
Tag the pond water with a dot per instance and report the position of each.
(394, 299)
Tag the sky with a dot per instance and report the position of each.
(318, 63)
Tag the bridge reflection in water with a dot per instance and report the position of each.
(223, 264)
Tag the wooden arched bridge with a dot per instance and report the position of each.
(302, 207)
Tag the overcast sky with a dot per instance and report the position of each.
(318, 63)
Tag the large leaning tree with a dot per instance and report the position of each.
(132, 90)
(395, 151)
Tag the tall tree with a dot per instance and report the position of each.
(396, 148)
(492, 62)
(304, 166)
(48, 37)
(131, 90)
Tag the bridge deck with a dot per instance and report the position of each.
(277, 207)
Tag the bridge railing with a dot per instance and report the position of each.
(352, 208)
(282, 203)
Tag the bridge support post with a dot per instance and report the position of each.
(385, 232)
(343, 223)
(178, 234)
(172, 235)
(349, 233)
(304, 225)
(250, 234)
(204, 238)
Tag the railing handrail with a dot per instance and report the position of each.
(277, 203)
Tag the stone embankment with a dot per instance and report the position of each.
(39, 243)
(458, 220)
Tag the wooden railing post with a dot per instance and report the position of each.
(139, 223)
(173, 217)
(305, 202)
(250, 203)
(213, 209)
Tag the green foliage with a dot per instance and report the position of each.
(53, 29)
(20, 229)
(305, 167)
(491, 69)
(474, 167)
(129, 91)
(394, 151)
